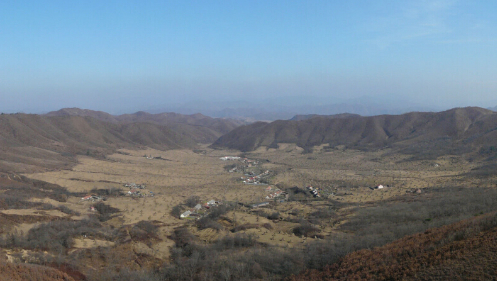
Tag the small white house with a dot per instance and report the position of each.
(212, 202)
(262, 204)
(379, 186)
(185, 214)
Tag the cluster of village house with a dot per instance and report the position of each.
(92, 198)
(314, 191)
(251, 178)
(136, 190)
(134, 185)
(140, 193)
(230, 158)
(274, 192)
(200, 209)
(255, 179)
(246, 161)
(378, 187)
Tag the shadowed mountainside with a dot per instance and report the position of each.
(453, 129)
(29, 142)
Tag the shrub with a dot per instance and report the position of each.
(182, 237)
(244, 227)
(192, 201)
(67, 210)
(147, 227)
(237, 241)
(305, 229)
(105, 211)
(274, 216)
(207, 222)
(107, 191)
(177, 211)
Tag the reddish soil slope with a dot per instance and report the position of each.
(465, 250)
(23, 272)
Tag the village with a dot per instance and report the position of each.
(253, 174)
(135, 191)
(200, 209)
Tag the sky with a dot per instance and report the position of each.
(124, 56)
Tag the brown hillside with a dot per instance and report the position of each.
(201, 128)
(465, 250)
(23, 272)
(458, 126)
(100, 115)
(30, 142)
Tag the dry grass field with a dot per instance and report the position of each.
(180, 174)
(354, 172)
(344, 178)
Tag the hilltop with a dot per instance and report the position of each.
(452, 129)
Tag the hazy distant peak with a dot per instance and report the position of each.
(142, 113)
(299, 117)
(74, 111)
(201, 128)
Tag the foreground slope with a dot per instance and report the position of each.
(21, 272)
(466, 250)
(459, 126)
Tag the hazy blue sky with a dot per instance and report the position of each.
(129, 55)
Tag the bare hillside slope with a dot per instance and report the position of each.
(455, 127)
(201, 128)
(29, 142)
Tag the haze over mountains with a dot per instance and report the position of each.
(282, 108)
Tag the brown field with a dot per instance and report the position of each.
(183, 173)
(344, 178)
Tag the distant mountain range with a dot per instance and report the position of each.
(284, 108)
(419, 132)
(200, 128)
(30, 142)
(309, 116)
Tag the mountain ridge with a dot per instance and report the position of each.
(471, 124)
(203, 129)
(30, 142)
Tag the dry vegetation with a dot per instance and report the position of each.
(45, 222)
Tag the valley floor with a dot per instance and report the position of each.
(344, 178)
